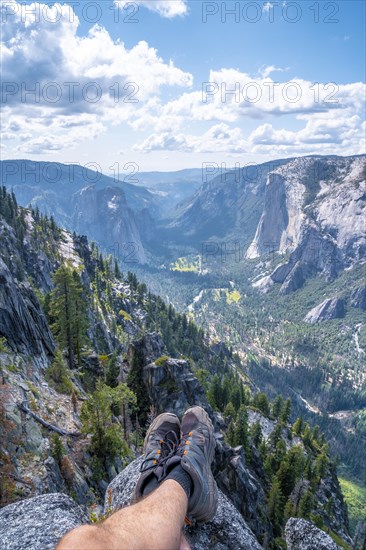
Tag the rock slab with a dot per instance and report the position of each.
(39, 523)
(303, 535)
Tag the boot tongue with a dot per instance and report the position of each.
(164, 469)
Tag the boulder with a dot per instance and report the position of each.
(39, 522)
(304, 535)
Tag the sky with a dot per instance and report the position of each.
(162, 85)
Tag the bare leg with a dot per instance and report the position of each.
(155, 523)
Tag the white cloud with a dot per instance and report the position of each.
(219, 138)
(165, 8)
(335, 133)
(269, 69)
(231, 96)
(79, 80)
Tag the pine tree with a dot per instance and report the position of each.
(112, 373)
(306, 505)
(286, 411)
(57, 448)
(229, 411)
(214, 393)
(289, 511)
(260, 401)
(135, 381)
(68, 308)
(97, 420)
(230, 434)
(298, 426)
(257, 435)
(241, 431)
(321, 465)
(277, 407)
(276, 507)
(117, 272)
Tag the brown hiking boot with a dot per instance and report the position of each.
(196, 449)
(161, 443)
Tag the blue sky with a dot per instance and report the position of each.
(309, 55)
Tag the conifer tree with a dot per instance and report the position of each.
(112, 372)
(230, 434)
(276, 507)
(298, 426)
(241, 432)
(277, 406)
(286, 411)
(97, 419)
(229, 411)
(257, 435)
(260, 401)
(135, 381)
(306, 505)
(68, 309)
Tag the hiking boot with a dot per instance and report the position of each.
(161, 443)
(196, 449)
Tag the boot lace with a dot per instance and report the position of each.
(168, 449)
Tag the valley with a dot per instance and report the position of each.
(270, 269)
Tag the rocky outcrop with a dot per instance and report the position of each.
(327, 310)
(39, 522)
(303, 535)
(358, 297)
(42, 521)
(173, 387)
(226, 530)
(22, 321)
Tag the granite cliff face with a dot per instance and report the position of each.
(22, 321)
(314, 215)
(104, 215)
(227, 207)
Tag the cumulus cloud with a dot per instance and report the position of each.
(165, 8)
(231, 96)
(219, 138)
(49, 72)
(340, 134)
